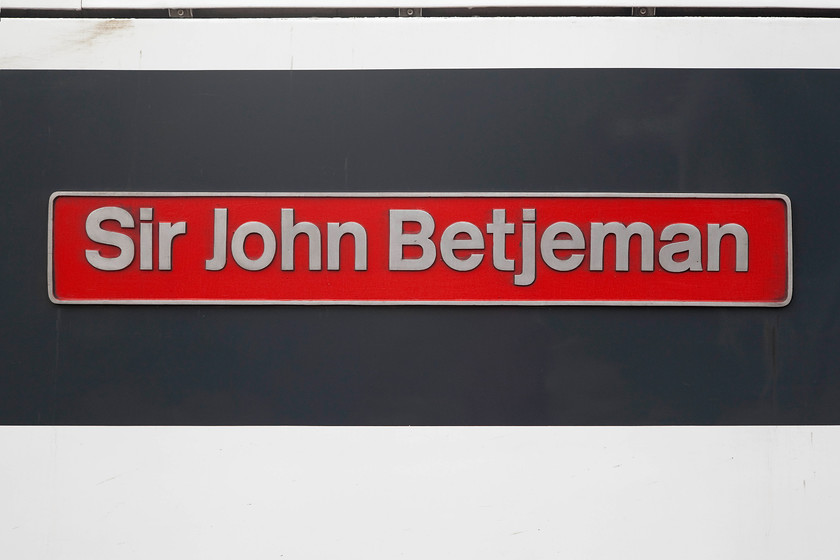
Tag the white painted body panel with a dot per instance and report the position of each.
(418, 493)
(157, 4)
(391, 43)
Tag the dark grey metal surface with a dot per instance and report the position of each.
(507, 130)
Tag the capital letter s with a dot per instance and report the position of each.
(93, 228)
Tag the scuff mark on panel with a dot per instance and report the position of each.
(89, 38)
(107, 480)
(101, 30)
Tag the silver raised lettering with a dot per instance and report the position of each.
(449, 243)
(397, 239)
(549, 243)
(289, 231)
(219, 241)
(167, 232)
(529, 246)
(93, 228)
(237, 245)
(598, 233)
(500, 229)
(146, 215)
(742, 246)
(335, 231)
(692, 246)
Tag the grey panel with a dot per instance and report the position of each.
(479, 130)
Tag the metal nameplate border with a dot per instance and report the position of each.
(403, 194)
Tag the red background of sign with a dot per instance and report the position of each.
(75, 280)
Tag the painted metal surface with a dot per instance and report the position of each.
(157, 4)
(405, 43)
(417, 493)
(41, 4)
(406, 131)
(729, 491)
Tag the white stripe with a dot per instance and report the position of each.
(389, 43)
(451, 3)
(149, 4)
(41, 4)
(370, 493)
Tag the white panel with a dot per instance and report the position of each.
(371, 493)
(449, 3)
(42, 4)
(362, 43)
(158, 4)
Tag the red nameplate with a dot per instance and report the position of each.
(475, 248)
